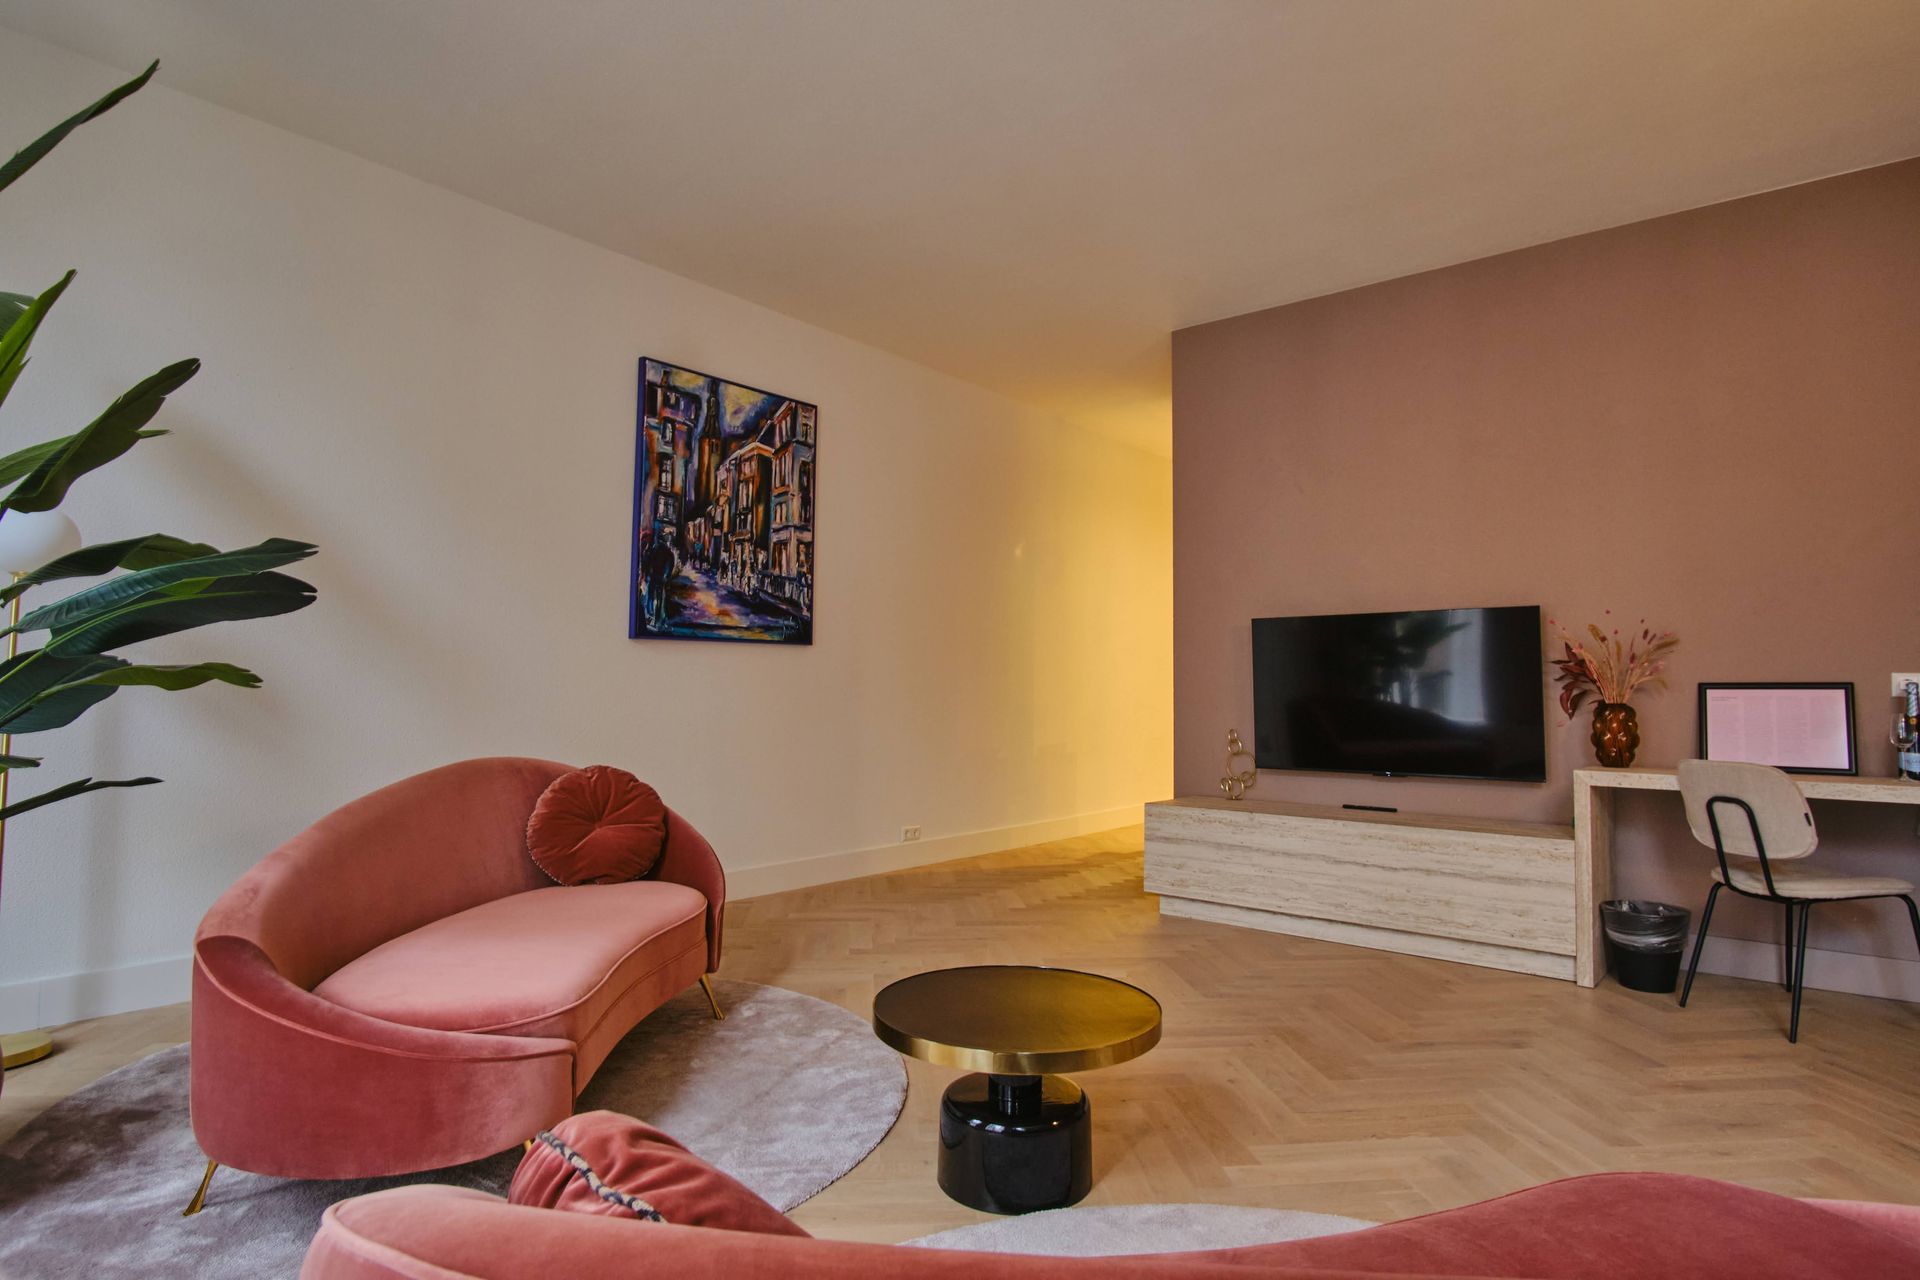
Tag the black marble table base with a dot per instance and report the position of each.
(1015, 1144)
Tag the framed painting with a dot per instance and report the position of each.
(723, 486)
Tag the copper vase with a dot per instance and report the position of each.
(1616, 734)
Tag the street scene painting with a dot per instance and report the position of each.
(722, 511)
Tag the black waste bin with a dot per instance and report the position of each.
(1644, 942)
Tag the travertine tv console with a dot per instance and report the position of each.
(1493, 893)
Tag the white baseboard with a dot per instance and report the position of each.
(826, 868)
(70, 997)
(1884, 977)
(52, 1002)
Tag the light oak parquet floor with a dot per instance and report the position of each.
(1302, 1074)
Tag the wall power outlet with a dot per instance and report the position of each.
(1900, 679)
(909, 833)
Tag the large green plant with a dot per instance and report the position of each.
(158, 585)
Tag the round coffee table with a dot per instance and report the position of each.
(1015, 1136)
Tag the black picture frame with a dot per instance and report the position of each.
(750, 568)
(1705, 746)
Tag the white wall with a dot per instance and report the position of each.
(442, 396)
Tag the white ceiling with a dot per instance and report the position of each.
(1031, 194)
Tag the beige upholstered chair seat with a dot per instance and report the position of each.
(1791, 881)
(1756, 820)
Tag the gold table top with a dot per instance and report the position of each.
(1019, 1020)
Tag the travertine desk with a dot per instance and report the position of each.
(1593, 791)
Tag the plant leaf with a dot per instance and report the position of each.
(66, 792)
(55, 708)
(104, 598)
(100, 442)
(35, 151)
(19, 335)
(172, 678)
(183, 607)
(19, 762)
(67, 701)
(30, 678)
(11, 305)
(21, 461)
(105, 557)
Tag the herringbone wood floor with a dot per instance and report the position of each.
(1303, 1074)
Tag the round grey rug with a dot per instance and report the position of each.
(1106, 1230)
(787, 1095)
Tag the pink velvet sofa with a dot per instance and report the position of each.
(400, 988)
(1594, 1228)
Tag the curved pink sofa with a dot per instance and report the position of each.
(400, 988)
(1602, 1225)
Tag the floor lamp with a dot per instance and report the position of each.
(28, 539)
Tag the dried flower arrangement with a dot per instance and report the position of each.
(1610, 668)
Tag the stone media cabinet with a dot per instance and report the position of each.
(1481, 891)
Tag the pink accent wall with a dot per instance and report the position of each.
(1710, 419)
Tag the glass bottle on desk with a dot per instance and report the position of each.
(1905, 734)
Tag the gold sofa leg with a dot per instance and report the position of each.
(200, 1197)
(708, 988)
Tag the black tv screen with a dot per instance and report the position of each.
(1445, 693)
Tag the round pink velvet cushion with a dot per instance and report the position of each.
(597, 825)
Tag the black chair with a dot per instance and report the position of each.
(1755, 815)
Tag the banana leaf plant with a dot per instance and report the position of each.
(153, 585)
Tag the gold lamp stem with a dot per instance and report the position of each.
(6, 739)
(27, 1046)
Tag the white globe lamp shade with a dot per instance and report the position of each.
(28, 539)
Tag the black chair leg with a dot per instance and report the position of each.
(1913, 914)
(1799, 972)
(1786, 951)
(1699, 941)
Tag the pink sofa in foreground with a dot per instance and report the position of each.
(1600, 1227)
(400, 988)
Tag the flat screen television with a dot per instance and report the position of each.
(1442, 693)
